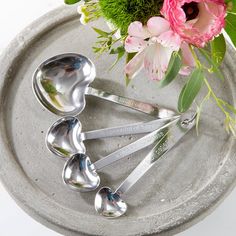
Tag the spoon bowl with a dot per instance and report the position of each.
(60, 83)
(79, 174)
(85, 177)
(63, 137)
(109, 204)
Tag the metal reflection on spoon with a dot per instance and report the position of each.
(80, 173)
(65, 137)
(61, 83)
(110, 204)
(87, 179)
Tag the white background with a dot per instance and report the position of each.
(14, 16)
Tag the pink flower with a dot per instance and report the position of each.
(198, 21)
(154, 45)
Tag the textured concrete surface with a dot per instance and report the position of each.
(175, 194)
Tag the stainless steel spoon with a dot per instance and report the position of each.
(64, 138)
(61, 83)
(81, 175)
(110, 204)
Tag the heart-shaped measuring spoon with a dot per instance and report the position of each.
(61, 83)
(110, 204)
(65, 139)
(81, 175)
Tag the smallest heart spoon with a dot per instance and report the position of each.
(110, 204)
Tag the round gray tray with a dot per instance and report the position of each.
(176, 193)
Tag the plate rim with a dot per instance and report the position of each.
(9, 165)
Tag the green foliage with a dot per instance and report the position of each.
(120, 52)
(218, 49)
(103, 34)
(70, 2)
(89, 11)
(227, 109)
(231, 5)
(200, 107)
(214, 67)
(106, 43)
(129, 57)
(174, 67)
(190, 90)
(231, 26)
(122, 12)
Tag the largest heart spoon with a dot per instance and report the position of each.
(110, 204)
(61, 83)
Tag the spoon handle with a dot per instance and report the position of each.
(171, 137)
(147, 108)
(138, 128)
(133, 147)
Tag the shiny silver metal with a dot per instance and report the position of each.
(65, 138)
(81, 175)
(110, 204)
(61, 83)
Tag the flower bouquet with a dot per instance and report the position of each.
(167, 38)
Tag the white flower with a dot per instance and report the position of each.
(154, 45)
(88, 11)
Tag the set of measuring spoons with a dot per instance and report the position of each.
(61, 85)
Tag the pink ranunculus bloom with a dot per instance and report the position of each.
(196, 21)
(154, 45)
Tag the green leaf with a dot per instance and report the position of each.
(228, 106)
(101, 32)
(199, 110)
(128, 59)
(190, 90)
(218, 49)
(70, 2)
(215, 67)
(174, 67)
(120, 51)
(231, 5)
(117, 50)
(231, 26)
(234, 5)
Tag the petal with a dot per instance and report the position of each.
(204, 27)
(135, 65)
(137, 29)
(185, 70)
(165, 56)
(158, 25)
(214, 9)
(134, 44)
(170, 39)
(156, 61)
(187, 56)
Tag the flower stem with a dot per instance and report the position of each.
(198, 63)
(215, 97)
(229, 120)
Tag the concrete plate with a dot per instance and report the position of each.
(176, 193)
